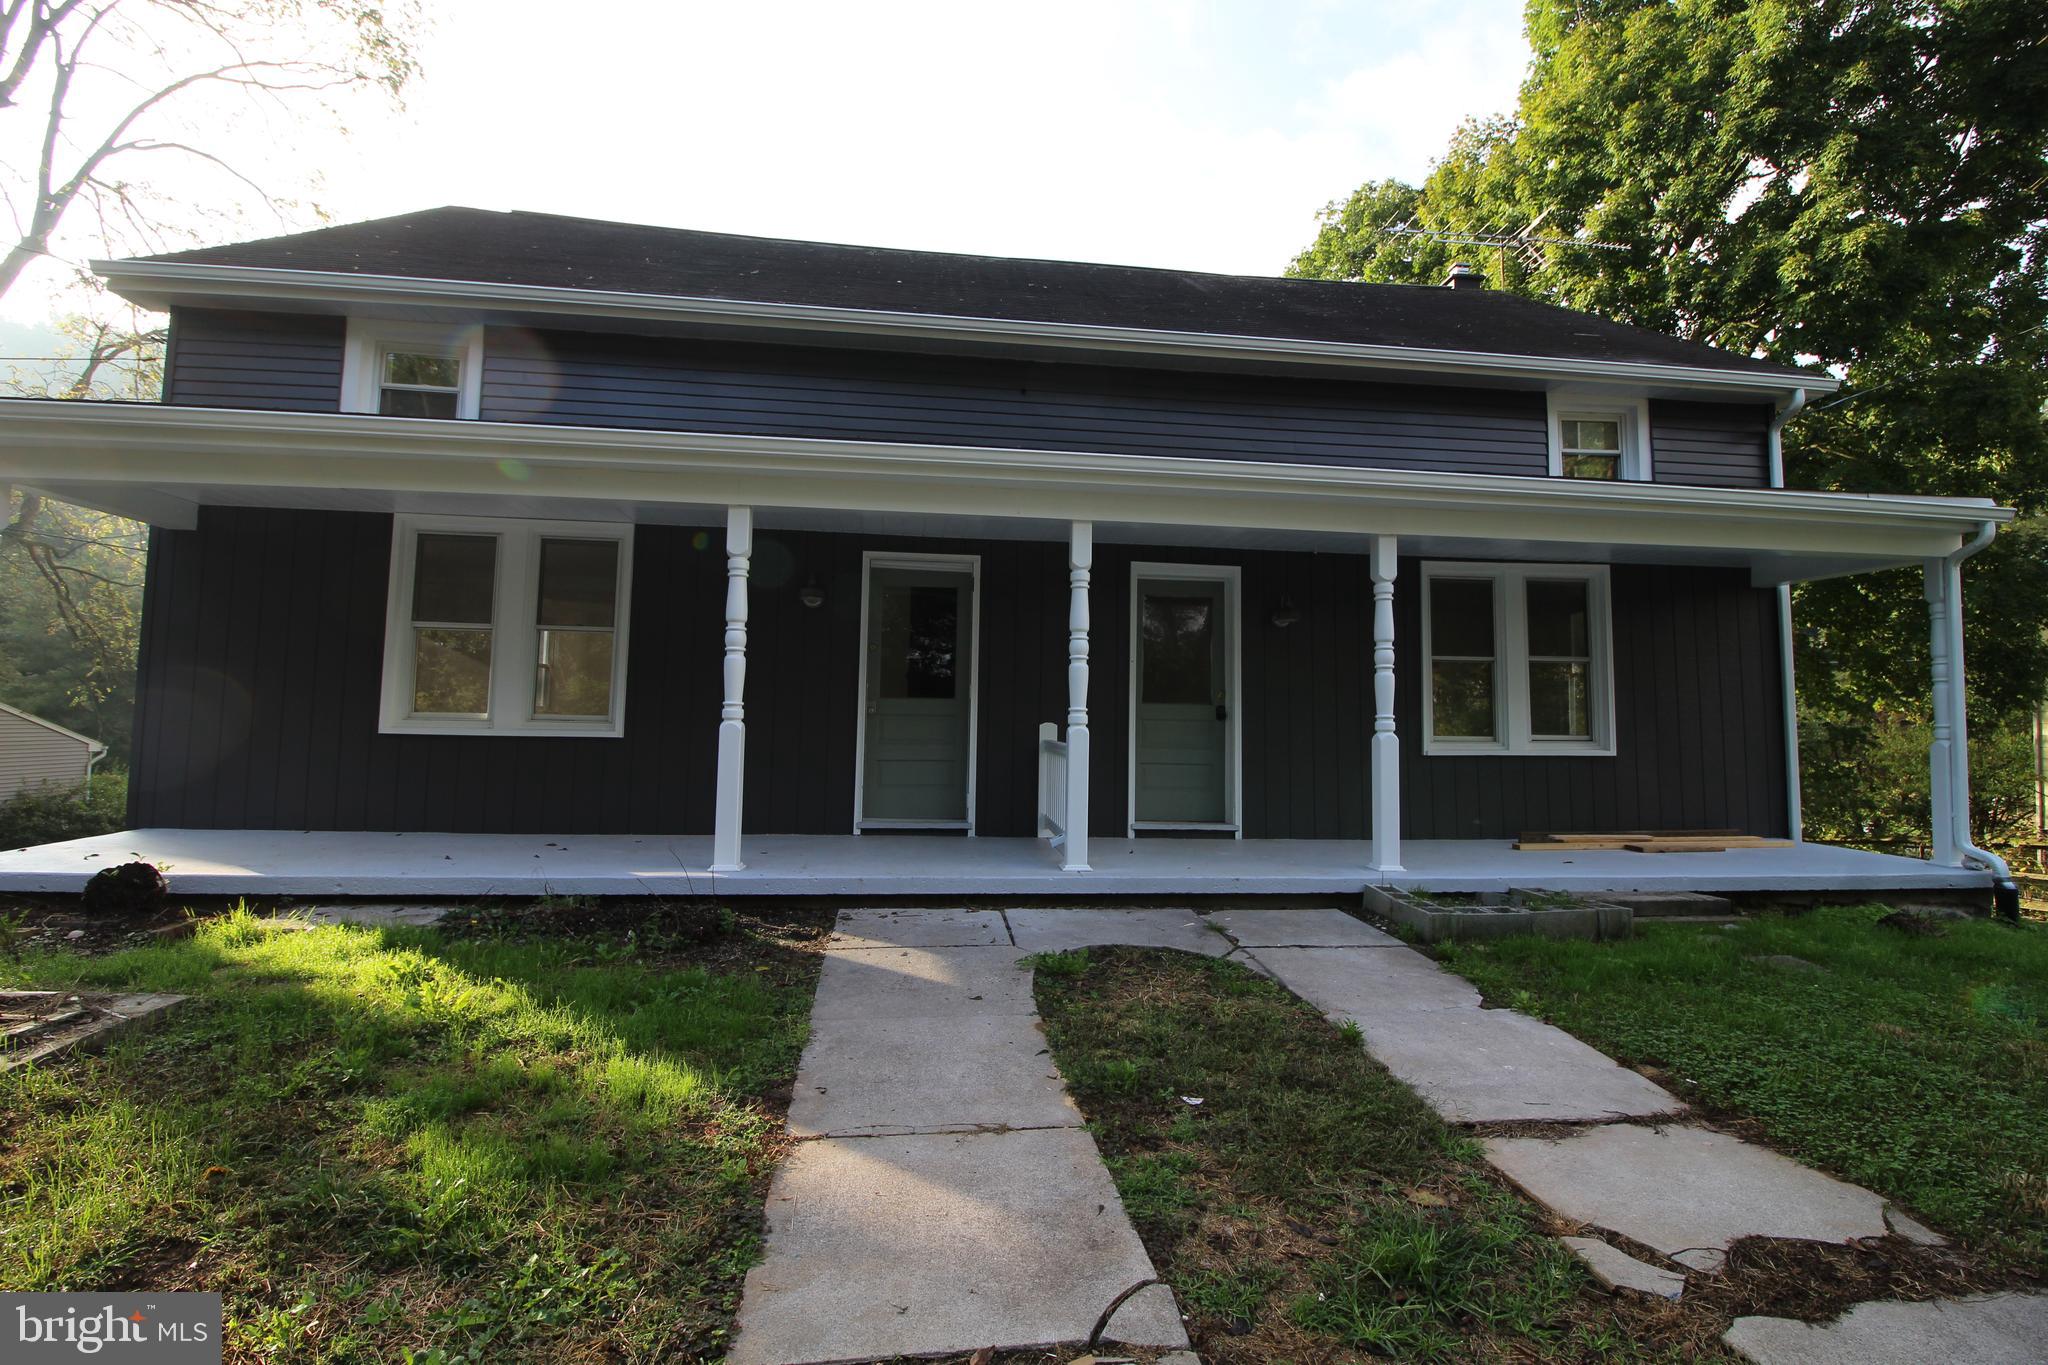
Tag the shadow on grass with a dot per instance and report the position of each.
(387, 1141)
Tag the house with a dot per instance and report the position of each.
(37, 753)
(480, 523)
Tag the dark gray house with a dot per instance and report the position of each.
(483, 523)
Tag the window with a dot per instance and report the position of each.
(1599, 440)
(407, 369)
(506, 627)
(1517, 658)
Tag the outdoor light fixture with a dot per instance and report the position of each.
(1285, 614)
(810, 594)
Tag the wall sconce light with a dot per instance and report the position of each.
(810, 594)
(1285, 614)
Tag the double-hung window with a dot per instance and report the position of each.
(1601, 440)
(1519, 659)
(409, 369)
(506, 627)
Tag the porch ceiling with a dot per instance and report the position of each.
(160, 463)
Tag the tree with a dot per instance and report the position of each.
(1859, 185)
(103, 84)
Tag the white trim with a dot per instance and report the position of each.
(903, 559)
(154, 283)
(1511, 661)
(514, 633)
(160, 447)
(88, 741)
(1638, 457)
(362, 367)
(1231, 576)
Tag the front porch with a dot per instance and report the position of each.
(314, 863)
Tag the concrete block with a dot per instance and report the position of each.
(1613, 1269)
(919, 929)
(928, 1074)
(1053, 929)
(902, 983)
(1985, 1328)
(1300, 928)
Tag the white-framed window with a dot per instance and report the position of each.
(1517, 659)
(410, 369)
(506, 627)
(1592, 438)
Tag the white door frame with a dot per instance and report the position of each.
(1231, 577)
(870, 560)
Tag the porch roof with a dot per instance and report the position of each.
(159, 463)
(295, 863)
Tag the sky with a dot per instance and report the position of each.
(1193, 135)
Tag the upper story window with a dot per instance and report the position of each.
(506, 627)
(409, 369)
(1594, 440)
(1519, 659)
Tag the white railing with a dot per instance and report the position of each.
(1052, 784)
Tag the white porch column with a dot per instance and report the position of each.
(1080, 562)
(1941, 767)
(1386, 743)
(732, 714)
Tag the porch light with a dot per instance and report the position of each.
(810, 594)
(1285, 614)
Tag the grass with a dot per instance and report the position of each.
(1917, 1066)
(1309, 1208)
(414, 1145)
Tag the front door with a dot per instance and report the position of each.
(1184, 727)
(917, 722)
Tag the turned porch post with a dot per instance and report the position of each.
(732, 713)
(1080, 561)
(1386, 743)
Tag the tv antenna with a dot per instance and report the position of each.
(1525, 245)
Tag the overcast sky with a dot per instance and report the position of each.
(1200, 135)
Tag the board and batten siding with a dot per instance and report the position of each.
(33, 755)
(263, 636)
(276, 362)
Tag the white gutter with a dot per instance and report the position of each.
(1795, 816)
(153, 284)
(1959, 723)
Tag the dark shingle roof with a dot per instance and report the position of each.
(548, 250)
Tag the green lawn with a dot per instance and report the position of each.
(1310, 1208)
(415, 1145)
(1917, 1066)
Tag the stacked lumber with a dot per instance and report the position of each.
(1650, 841)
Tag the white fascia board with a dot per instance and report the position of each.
(157, 284)
(175, 451)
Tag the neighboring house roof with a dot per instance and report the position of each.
(542, 250)
(87, 740)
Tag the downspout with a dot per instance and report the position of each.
(2005, 891)
(1789, 697)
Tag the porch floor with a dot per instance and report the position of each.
(317, 863)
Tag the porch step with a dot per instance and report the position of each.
(1689, 905)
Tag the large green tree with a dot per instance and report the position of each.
(1860, 186)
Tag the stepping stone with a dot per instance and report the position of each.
(1299, 928)
(1613, 1268)
(918, 929)
(375, 913)
(1682, 1189)
(909, 983)
(1989, 1327)
(936, 1244)
(1914, 1231)
(928, 1074)
(1056, 929)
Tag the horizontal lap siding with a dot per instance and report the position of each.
(1699, 733)
(1720, 445)
(590, 380)
(278, 362)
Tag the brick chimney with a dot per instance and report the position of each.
(1463, 276)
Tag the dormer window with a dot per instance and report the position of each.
(1604, 441)
(409, 369)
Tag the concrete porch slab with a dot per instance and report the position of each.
(933, 1244)
(1289, 928)
(928, 1074)
(1042, 929)
(1684, 1189)
(1987, 1328)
